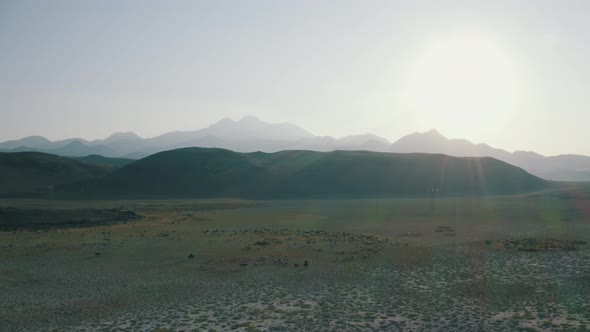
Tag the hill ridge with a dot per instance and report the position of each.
(221, 173)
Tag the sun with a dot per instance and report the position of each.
(463, 82)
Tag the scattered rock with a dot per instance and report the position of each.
(533, 244)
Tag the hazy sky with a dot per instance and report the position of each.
(513, 74)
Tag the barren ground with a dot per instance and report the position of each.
(501, 263)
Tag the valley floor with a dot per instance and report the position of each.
(499, 263)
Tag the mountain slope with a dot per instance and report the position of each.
(104, 161)
(245, 134)
(208, 173)
(30, 173)
(558, 168)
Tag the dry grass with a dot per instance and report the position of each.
(365, 272)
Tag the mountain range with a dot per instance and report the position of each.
(293, 174)
(251, 134)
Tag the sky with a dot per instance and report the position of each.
(512, 74)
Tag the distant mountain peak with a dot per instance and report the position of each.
(29, 141)
(245, 120)
(250, 127)
(362, 139)
(434, 132)
(32, 137)
(75, 144)
(432, 135)
(37, 138)
(122, 136)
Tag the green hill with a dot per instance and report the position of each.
(104, 161)
(208, 173)
(31, 173)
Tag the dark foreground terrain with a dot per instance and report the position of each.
(38, 219)
(470, 264)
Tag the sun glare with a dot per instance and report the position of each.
(460, 82)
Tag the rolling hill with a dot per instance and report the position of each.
(211, 173)
(25, 174)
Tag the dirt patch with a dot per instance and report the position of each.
(295, 248)
(532, 244)
(15, 219)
